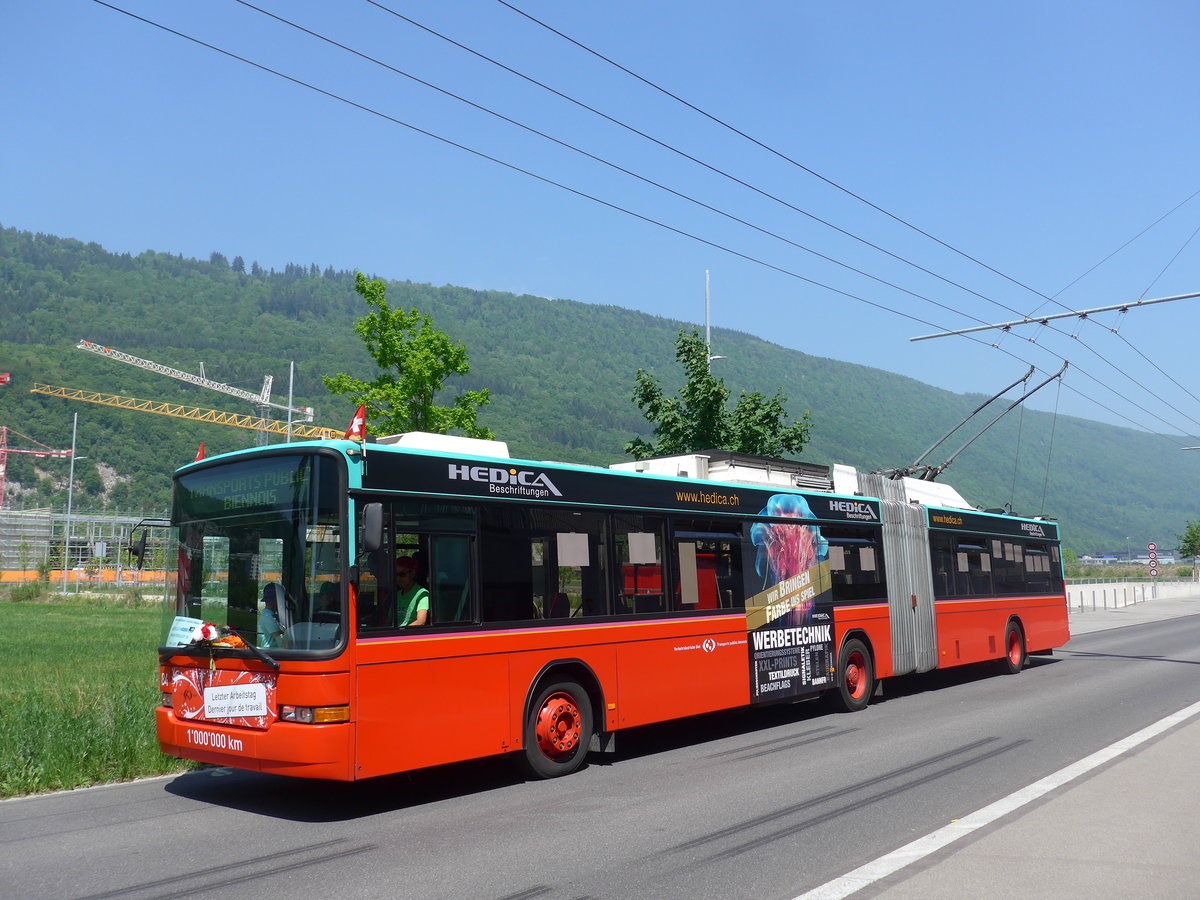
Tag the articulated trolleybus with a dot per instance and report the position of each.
(560, 604)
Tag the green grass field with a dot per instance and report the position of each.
(78, 688)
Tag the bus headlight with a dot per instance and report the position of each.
(314, 715)
(168, 700)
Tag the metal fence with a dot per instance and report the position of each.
(77, 551)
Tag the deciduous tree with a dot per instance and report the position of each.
(697, 418)
(414, 359)
(1189, 542)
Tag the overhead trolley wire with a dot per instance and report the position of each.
(515, 168)
(1165, 215)
(651, 182)
(684, 154)
(756, 189)
(583, 194)
(1153, 363)
(778, 153)
(1116, 368)
(722, 123)
(1169, 263)
(1117, 331)
(602, 161)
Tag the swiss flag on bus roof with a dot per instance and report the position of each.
(199, 453)
(358, 425)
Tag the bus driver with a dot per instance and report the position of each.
(412, 600)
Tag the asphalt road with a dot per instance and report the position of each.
(751, 804)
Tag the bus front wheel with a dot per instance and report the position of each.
(855, 677)
(1014, 649)
(558, 730)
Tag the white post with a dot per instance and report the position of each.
(291, 381)
(707, 327)
(70, 491)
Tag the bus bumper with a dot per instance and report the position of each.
(284, 748)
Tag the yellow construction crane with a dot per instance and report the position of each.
(194, 413)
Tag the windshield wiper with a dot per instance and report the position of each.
(264, 656)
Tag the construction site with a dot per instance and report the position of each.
(75, 549)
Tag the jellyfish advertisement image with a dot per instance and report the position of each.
(788, 622)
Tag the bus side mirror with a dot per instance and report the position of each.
(138, 549)
(372, 533)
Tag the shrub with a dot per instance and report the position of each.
(29, 592)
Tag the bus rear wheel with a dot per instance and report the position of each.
(855, 677)
(558, 730)
(1014, 649)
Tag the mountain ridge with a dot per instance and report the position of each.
(560, 373)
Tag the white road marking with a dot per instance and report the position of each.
(881, 868)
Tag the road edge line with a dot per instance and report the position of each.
(893, 862)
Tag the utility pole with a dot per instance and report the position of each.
(708, 327)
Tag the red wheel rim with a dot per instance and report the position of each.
(558, 726)
(1014, 647)
(856, 675)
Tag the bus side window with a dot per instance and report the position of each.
(638, 543)
(438, 537)
(450, 578)
(855, 563)
(943, 565)
(531, 558)
(507, 565)
(707, 565)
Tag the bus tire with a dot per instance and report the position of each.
(1015, 654)
(855, 677)
(558, 730)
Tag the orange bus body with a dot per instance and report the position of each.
(464, 697)
(708, 600)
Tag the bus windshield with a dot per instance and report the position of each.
(258, 553)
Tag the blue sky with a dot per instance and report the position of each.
(1036, 137)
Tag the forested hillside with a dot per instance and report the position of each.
(560, 373)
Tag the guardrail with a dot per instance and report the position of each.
(1117, 594)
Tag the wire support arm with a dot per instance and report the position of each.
(1042, 320)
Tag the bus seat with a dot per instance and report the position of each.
(560, 607)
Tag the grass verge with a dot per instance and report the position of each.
(78, 688)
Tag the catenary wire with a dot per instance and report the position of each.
(605, 203)
(1157, 221)
(1050, 449)
(847, 191)
(768, 148)
(1170, 263)
(1117, 330)
(1153, 363)
(1121, 371)
(515, 168)
(602, 161)
(760, 191)
(714, 169)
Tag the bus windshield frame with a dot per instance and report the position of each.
(259, 553)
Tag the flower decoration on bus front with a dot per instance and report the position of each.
(786, 550)
(206, 634)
